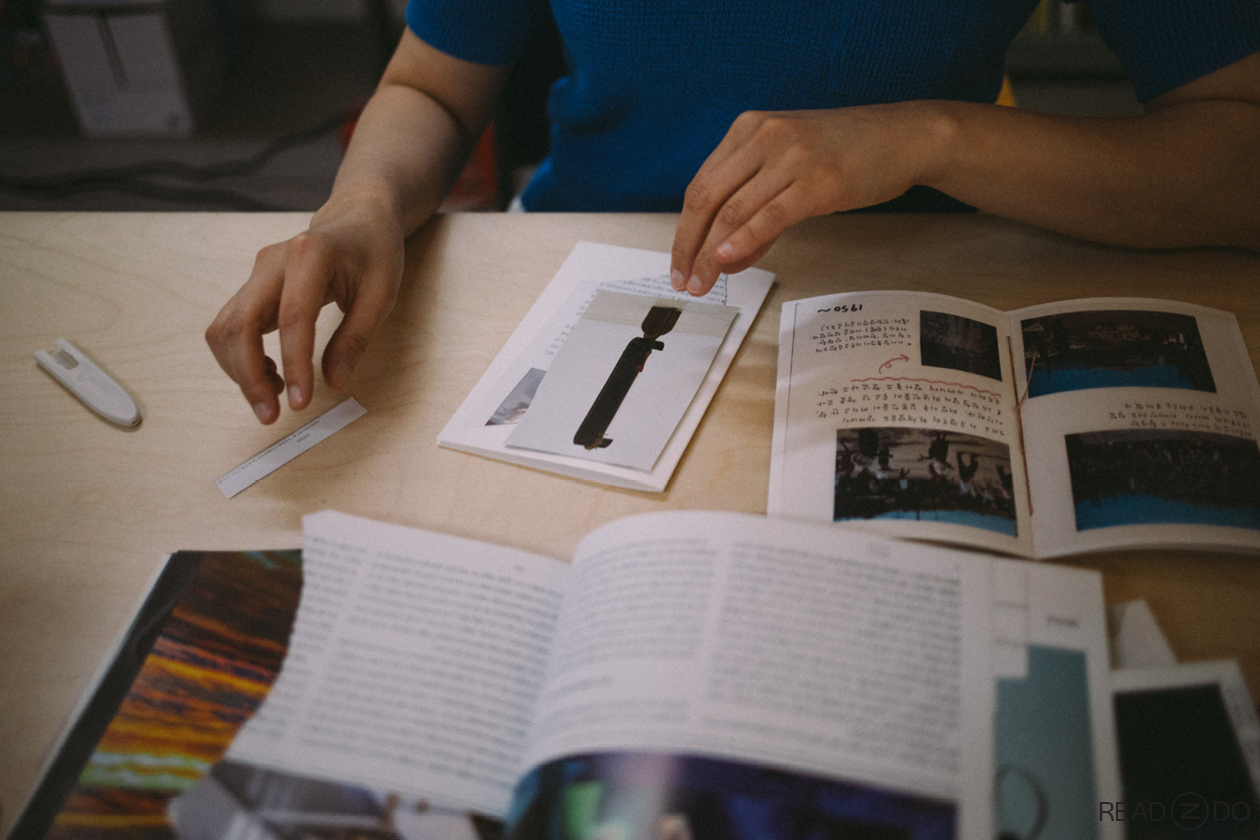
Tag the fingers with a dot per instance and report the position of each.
(307, 278)
(747, 193)
(747, 226)
(708, 191)
(235, 335)
(774, 169)
(358, 265)
(286, 291)
(276, 384)
(372, 303)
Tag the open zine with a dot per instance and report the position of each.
(611, 371)
(689, 675)
(1056, 429)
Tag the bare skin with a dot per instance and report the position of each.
(1186, 173)
(408, 147)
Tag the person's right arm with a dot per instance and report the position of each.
(408, 147)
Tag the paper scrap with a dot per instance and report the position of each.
(285, 450)
(1136, 640)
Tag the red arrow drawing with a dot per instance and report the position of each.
(902, 358)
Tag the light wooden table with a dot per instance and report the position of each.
(87, 510)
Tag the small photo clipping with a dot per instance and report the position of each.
(958, 343)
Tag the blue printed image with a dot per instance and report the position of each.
(680, 797)
(1143, 477)
(1044, 775)
(1114, 349)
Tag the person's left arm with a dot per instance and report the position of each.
(1185, 173)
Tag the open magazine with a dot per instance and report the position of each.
(610, 373)
(689, 675)
(1051, 430)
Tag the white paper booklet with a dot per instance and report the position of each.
(611, 371)
(1051, 430)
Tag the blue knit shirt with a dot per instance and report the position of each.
(654, 85)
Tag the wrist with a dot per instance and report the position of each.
(936, 128)
(376, 200)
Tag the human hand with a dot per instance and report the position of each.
(350, 257)
(774, 169)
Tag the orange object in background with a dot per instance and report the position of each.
(478, 185)
(1007, 95)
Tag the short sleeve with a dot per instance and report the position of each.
(1164, 44)
(481, 31)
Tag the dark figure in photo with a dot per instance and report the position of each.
(938, 458)
(1008, 482)
(966, 472)
(868, 443)
(659, 320)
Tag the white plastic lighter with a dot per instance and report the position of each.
(89, 383)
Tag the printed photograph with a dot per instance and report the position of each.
(516, 403)
(1148, 477)
(958, 343)
(659, 320)
(925, 475)
(618, 387)
(652, 796)
(158, 772)
(1178, 750)
(212, 662)
(1114, 349)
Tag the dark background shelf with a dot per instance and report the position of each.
(293, 76)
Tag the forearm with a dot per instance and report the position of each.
(1187, 174)
(405, 155)
(415, 134)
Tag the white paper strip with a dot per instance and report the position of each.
(285, 450)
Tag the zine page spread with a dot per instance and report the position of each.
(1057, 429)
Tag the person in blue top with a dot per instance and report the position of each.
(750, 115)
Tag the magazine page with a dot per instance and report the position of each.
(896, 411)
(1054, 736)
(413, 666)
(1140, 421)
(1189, 748)
(715, 671)
(677, 383)
(194, 665)
(145, 760)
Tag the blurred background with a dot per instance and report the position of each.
(248, 104)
